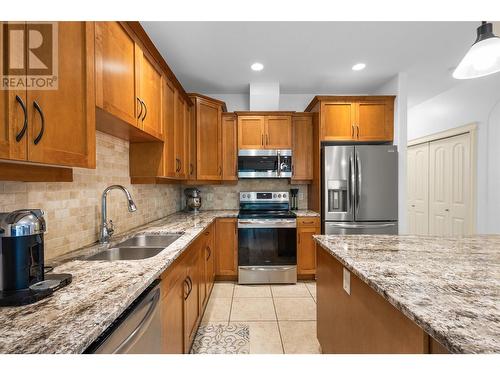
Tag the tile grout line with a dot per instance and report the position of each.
(277, 322)
(231, 308)
(309, 290)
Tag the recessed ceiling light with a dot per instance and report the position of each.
(257, 66)
(359, 66)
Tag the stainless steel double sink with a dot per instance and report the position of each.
(142, 246)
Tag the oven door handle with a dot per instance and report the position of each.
(267, 268)
(292, 223)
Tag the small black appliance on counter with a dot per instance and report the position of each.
(22, 278)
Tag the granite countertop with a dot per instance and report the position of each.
(306, 213)
(73, 317)
(449, 287)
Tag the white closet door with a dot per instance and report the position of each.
(460, 219)
(418, 189)
(449, 186)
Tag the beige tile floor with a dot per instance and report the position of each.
(281, 318)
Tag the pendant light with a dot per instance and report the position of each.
(483, 58)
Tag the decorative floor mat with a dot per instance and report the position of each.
(222, 338)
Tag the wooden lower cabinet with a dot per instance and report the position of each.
(361, 322)
(307, 227)
(185, 290)
(226, 248)
(206, 264)
(191, 299)
(173, 290)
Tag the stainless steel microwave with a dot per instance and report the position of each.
(265, 164)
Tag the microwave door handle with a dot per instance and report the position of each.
(279, 164)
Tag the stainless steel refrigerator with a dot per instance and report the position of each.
(360, 189)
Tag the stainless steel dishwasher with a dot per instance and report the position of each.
(137, 330)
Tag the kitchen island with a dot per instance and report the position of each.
(408, 294)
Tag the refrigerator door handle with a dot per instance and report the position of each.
(358, 182)
(361, 226)
(351, 184)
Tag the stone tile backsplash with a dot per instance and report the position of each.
(226, 196)
(73, 209)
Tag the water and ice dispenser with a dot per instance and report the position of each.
(337, 195)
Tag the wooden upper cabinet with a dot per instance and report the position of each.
(251, 131)
(337, 121)
(229, 147)
(192, 162)
(62, 121)
(170, 164)
(208, 136)
(115, 55)
(264, 131)
(55, 126)
(13, 112)
(149, 94)
(375, 120)
(357, 118)
(302, 130)
(278, 132)
(180, 137)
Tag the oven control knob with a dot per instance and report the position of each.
(284, 195)
(279, 195)
(274, 195)
(244, 195)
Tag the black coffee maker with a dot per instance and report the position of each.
(22, 279)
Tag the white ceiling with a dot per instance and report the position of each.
(313, 57)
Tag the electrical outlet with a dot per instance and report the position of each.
(347, 281)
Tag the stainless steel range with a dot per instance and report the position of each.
(267, 245)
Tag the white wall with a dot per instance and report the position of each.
(234, 102)
(398, 86)
(287, 102)
(471, 101)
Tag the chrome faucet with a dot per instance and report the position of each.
(107, 229)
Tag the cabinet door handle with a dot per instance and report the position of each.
(20, 135)
(352, 130)
(220, 171)
(299, 238)
(42, 129)
(357, 128)
(186, 293)
(262, 139)
(191, 168)
(145, 111)
(180, 165)
(267, 139)
(209, 252)
(140, 103)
